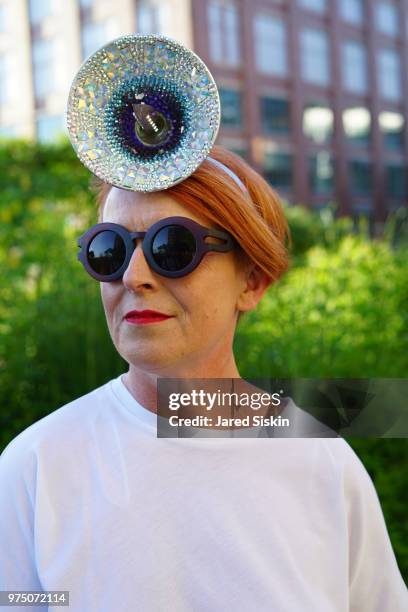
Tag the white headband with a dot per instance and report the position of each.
(230, 173)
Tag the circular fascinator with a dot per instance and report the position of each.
(143, 112)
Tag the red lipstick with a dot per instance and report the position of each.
(142, 317)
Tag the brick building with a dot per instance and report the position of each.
(314, 92)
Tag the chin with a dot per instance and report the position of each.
(148, 359)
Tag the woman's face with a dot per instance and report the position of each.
(203, 305)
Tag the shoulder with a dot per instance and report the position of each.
(67, 426)
(342, 456)
(332, 461)
(374, 576)
(358, 488)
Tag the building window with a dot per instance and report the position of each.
(49, 128)
(95, 34)
(39, 9)
(355, 67)
(392, 127)
(153, 17)
(357, 126)
(361, 174)
(232, 35)
(43, 67)
(3, 18)
(318, 123)
(352, 11)
(270, 38)
(224, 33)
(242, 151)
(387, 18)
(275, 115)
(231, 108)
(389, 77)
(321, 173)
(278, 170)
(315, 56)
(4, 79)
(396, 181)
(319, 6)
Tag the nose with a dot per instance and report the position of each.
(138, 275)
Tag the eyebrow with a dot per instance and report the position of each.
(136, 229)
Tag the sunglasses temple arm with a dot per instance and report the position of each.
(228, 245)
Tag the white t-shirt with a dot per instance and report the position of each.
(93, 503)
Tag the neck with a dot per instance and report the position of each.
(142, 384)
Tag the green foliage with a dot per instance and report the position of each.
(309, 228)
(342, 310)
(54, 342)
(46, 171)
(342, 313)
(396, 227)
(321, 227)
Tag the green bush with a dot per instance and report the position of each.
(310, 228)
(54, 342)
(343, 313)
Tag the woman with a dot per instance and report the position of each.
(196, 342)
(95, 504)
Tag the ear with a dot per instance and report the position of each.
(256, 282)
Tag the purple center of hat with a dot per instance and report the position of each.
(146, 119)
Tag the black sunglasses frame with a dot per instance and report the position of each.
(198, 231)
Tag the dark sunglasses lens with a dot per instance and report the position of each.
(173, 248)
(106, 252)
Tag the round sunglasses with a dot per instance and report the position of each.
(173, 247)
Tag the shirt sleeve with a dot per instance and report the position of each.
(18, 570)
(375, 581)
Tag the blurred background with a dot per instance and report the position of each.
(314, 96)
(314, 92)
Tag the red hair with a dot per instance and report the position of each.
(257, 222)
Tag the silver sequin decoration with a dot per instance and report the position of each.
(111, 67)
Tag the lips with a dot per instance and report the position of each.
(146, 316)
(137, 314)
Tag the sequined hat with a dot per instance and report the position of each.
(143, 112)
